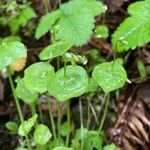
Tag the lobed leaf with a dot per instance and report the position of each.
(135, 30)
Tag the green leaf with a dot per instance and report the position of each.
(21, 148)
(23, 93)
(37, 77)
(26, 127)
(110, 75)
(141, 68)
(11, 39)
(10, 52)
(102, 31)
(110, 147)
(92, 86)
(62, 148)
(67, 85)
(135, 30)
(46, 23)
(65, 129)
(55, 50)
(12, 126)
(42, 134)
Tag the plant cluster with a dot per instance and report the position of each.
(70, 25)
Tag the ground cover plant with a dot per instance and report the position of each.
(65, 69)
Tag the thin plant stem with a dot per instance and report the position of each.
(33, 112)
(17, 105)
(41, 114)
(105, 112)
(81, 122)
(59, 120)
(51, 119)
(88, 112)
(68, 121)
(46, 6)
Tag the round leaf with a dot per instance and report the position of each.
(54, 50)
(10, 52)
(23, 93)
(110, 75)
(73, 84)
(42, 134)
(102, 31)
(110, 147)
(12, 126)
(37, 77)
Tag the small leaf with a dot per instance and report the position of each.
(55, 50)
(110, 147)
(46, 23)
(10, 52)
(141, 69)
(23, 93)
(65, 129)
(72, 84)
(62, 148)
(26, 127)
(37, 77)
(42, 134)
(102, 31)
(110, 75)
(92, 86)
(21, 148)
(12, 126)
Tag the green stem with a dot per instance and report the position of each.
(59, 120)
(68, 122)
(88, 113)
(81, 122)
(17, 105)
(51, 119)
(46, 5)
(105, 112)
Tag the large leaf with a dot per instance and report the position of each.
(25, 128)
(37, 77)
(46, 23)
(76, 20)
(42, 134)
(72, 84)
(110, 75)
(23, 93)
(10, 52)
(54, 50)
(135, 30)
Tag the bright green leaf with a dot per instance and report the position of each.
(46, 23)
(21, 148)
(110, 147)
(65, 129)
(42, 134)
(110, 75)
(72, 84)
(12, 126)
(135, 30)
(62, 148)
(10, 52)
(92, 86)
(37, 77)
(23, 93)
(102, 31)
(55, 50)
(26, 127)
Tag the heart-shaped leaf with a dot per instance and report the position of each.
(23, 93)
(37, 77)
(26, 127)
(69, 85)
(42, 134)
(110, 75)
(54, 50)
(10, 52)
